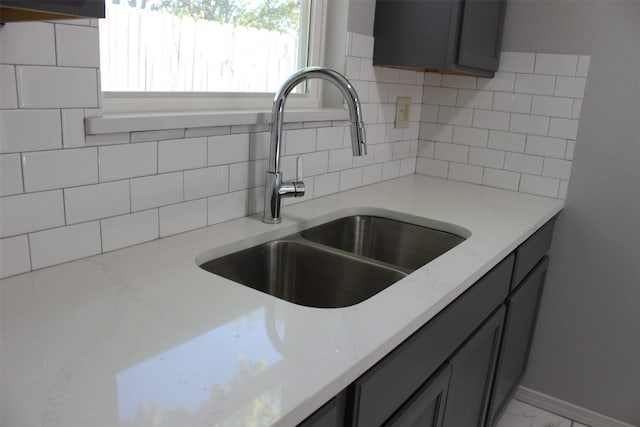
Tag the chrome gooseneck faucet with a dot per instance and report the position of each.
(275, 189)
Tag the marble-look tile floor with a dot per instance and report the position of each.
(519, 414)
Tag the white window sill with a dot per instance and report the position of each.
(116, 123)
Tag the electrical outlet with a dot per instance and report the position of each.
(403, 112)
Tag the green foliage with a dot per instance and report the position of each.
(275, 15)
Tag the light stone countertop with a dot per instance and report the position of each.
(142, 336)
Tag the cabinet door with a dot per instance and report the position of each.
(522, 313)
(472, 369)
(331, 414)
(426, 407)
(481, 34)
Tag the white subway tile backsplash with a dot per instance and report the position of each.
(501, 81)
(475, 99)
(28, 43)
(14, 256)
(97, 201)
(517, 62)
(10, 174)
(491, 120)
(558, 65)
(563, 128)
(383, 153)
(19, 133)
(378, 92)
(459, 81)
(426, 148)
(57, 87)
(570, 86)
(365, 160)
(535, 84)
(432, 79)
(352, 68)
(375, 135)
(183, 154)
(73, 128)
(465, 173)
(361, 46)
(535, 125)
(486, 157)
(470, 136)
(227, 206)
(455, 116)
(512, 102)
(207, 131)
(315, 163)
(501, 179)
(391, 169)
(583, 66)
(390, 75)
(507, 141)
(199, 183)
(127, 230)
(432, 167)
(408, 166)
(571, 146)
(393, 134)
(562, 191)
(299, 141)
(8, 89)
(539, 185)
(183, 217)
(552, 106)
(47, 170)
(227, 149)
(410, 77)
(451, 152)
(577, 108)
(372, 174)
(351, 178)
(524, 163)
(157, 190)
(64, 244)
(556, 168)
(247, 175)
(436, 132)
(412, 132)
(439, 96)
(158, 135)
(386, 113)
(127, 161)
(326, 184)
(24, 213)
(330, 138)
(108, 138)
(75, 46)
(544, 146)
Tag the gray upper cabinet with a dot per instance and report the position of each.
(456, 36)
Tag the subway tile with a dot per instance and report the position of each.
(490, 120)
(393, 134)
(259, 145)
(412, 132)
(375, 135)
(426, 148)
(29, 130)
(465, 173)
(410, 77)
(326, 184)
(366, 70)
(76, 46)
(429, 113)
(369, 113)
(73, 135)
(25, 213)
(14, 256)
(227, 149)
(390, 75)
(361, 46)
(47, 170)
(157, 190)
(408, 166)
(455, 116)
(108, 138)
(432, 79)
(28, 43)
(535, 125)
(360, 161)
(57, 87)
(562, 194)
(535, 84)
(547, 147)
(556, 168)
(507, 141)
(524, 163)
(382, 153)
(183, 217)
(451, 152)
(577, 109)
(96, 201)
(501, 179)
(208, 131)
(265, 127)
(8, 88)
(557, 65)
(501, 81)
(206, 182)
(475, 99)
(552, 106)
(396, 90)
(563, 128)
(470, 136)
(432, 167)
(182, 154)
(350, 178)
(436, 132)
(402, 150)
(517, 62)
(486, 157)
(228, 206)
(128, 230)
(512, 102)
(572, 87)
(439, 96)
(372, 174)
(458, 81)
(378, 92)
(64, 244)
(390, 170)
(571, 146)
(352, 68)
(583, 66)
(127, 161)
(158, 135)
(247, 175)
(386, 113)
(361, 88)
(300, 141)
(10, 174)
(314, 163)
(539, 185)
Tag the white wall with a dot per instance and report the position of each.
(587, 345)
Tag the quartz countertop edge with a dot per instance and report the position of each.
(143, 335)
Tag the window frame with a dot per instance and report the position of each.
(182, 102)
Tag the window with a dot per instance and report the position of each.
(176, 55)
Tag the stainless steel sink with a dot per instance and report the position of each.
(305, 274)
(394, 242)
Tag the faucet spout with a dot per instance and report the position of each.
(275, 189)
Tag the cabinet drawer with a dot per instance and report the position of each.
(384, 388)
(532, 251)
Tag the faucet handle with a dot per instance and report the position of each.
(299, 166)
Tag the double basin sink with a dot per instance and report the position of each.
(336, 264)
